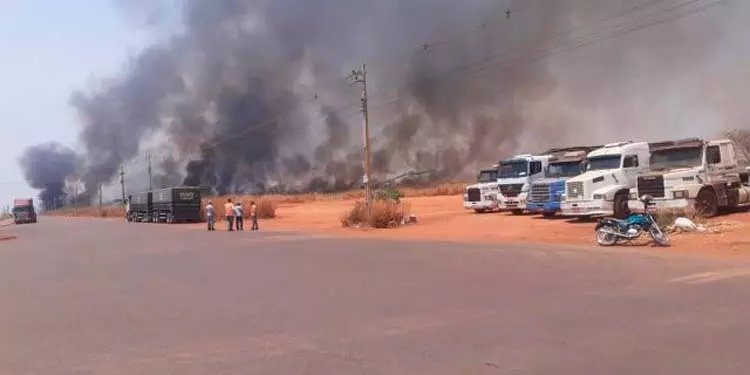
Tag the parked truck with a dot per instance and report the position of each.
(483, 196)
(515, 177)
(23, 211)
(140, 207)
(566, 163)
(176, 204)
(604, 189)
(693, 173)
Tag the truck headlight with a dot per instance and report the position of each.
(680, 194)
(633, 196)
(598, 197)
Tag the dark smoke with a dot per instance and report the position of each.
(250, 94)
(47, 167)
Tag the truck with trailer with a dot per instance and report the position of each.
(693, 173)
(566, 163)
(514, 180)
(483, 196)
(23, 211)
(140, 205)
(176, 204)
(604, 188)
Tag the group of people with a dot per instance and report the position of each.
(234, 214)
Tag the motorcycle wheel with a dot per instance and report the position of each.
(604, 236)
(659, 237)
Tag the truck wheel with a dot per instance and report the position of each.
(480, 210)
(548, 214)
(707, 204)
(517, 212)
(620, 206)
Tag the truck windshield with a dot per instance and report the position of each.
(487, 176)
(567, 169)
(510, 169)
(604, 162)
(676, 158)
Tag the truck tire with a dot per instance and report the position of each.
(517, 212)
(620, 206)
(707, 204)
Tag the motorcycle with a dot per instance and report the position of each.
(610, 231)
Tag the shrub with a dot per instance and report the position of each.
(389, 193)
(385, 214)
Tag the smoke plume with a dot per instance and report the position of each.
(250, 94)
(46, 167)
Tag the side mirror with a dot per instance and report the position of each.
(584, 166)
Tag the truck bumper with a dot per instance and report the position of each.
(588, 208)
(663, 204)
(543, 207)
(481, 205)
(510, 204)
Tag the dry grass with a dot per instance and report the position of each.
(385, 214)
(666, 217)
(90, 211)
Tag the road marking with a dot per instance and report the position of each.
(712, 276)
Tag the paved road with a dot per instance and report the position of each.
(96, 297)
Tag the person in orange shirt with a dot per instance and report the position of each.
(229, 214)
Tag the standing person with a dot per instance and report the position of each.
(229, 214)
(127, 208)
(210, 219)
(254, 215)
(238, 217)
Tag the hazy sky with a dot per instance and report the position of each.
(50, 48)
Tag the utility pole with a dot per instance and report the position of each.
(360, 77)
(148, 157)
(100, 195)
(75, 200)
(122, 183)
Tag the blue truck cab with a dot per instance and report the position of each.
(546, 194)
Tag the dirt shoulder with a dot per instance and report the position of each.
(444, 219)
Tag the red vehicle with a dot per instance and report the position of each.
(23, 211)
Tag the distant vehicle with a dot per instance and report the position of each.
(546, 194)
(176, 204)
(140, 207)
(23, 211)
(604, 189)
(706, 175)
(515, 176)
(483, 196)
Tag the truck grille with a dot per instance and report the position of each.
(575, 189)
(474, 194)
(651, 185)
(511, 190)
(540, 193)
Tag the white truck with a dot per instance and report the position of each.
(693, 173)
(604, 189)
(483, 196)
(515, 177)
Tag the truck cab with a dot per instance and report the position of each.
(693, 173)
(546, 193)
(23, 211)
(483, 196)
(604, 189)
(515, 177)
